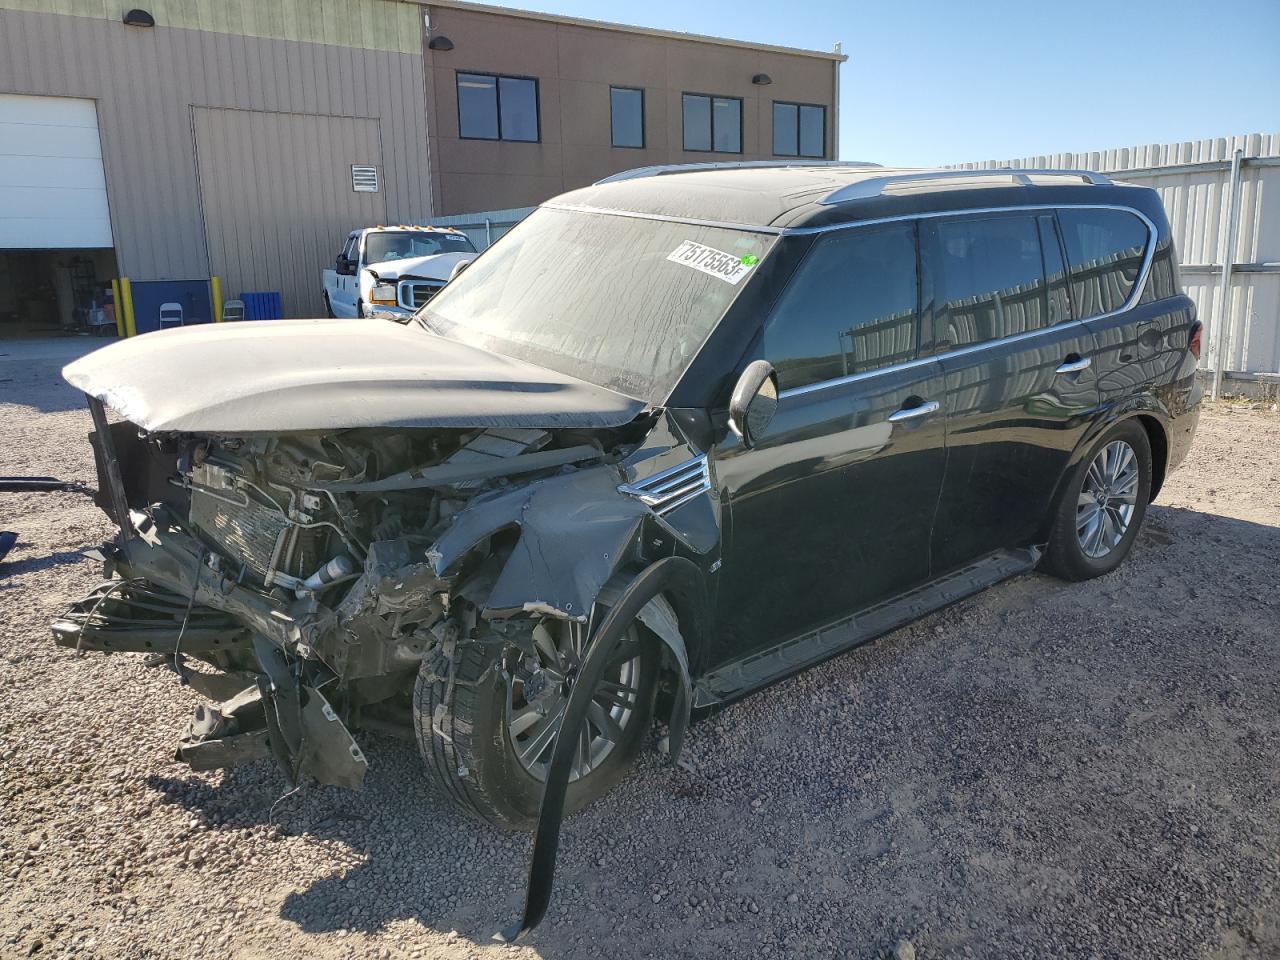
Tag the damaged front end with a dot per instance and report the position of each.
(299, 581)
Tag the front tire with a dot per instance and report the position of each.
(493, 765)
(1102, 505)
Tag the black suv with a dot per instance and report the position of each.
(677, 435)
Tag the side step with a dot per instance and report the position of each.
(742, 676)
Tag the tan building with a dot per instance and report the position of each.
(178, 141)
(607, 98)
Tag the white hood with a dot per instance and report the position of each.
(436, 266)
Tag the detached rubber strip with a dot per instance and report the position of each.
(33, 484)
(609, 637)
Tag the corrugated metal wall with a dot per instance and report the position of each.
(1192, 179)
(147, 83)
(344, 23)
(257, 171)
(485, 227)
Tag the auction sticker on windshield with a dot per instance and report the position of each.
(725, 266)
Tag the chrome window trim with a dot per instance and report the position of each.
(1139, 287)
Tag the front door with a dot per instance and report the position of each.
(1021, 384)
(831, 510)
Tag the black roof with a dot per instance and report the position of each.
(795, 196)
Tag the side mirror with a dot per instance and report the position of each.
(343, 266)
(754, 400)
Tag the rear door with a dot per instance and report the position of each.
(1021, 382)
(831, 510)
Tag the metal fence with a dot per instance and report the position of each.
(485, 227)
(1223, 201)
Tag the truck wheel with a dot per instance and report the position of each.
(492, 764)
(328, 307)
(1102, 505)
(359, 309)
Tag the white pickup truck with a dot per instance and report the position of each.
(393, 270)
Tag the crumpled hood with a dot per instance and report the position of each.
(277, 376)
(437, 266)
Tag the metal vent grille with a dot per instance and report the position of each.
(670, 488)
(364, 178)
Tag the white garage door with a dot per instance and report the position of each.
(53, 192)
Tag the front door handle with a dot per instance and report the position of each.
(910, 413)
(1074, 366)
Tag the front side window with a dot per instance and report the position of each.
(712, 124)
(399, 245)
(497, 108)
(626, 113)
(799, 130)
(989, 279)
(621, 302)
(851, 307)
(1105, 250)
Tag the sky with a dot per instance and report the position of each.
(931, 82)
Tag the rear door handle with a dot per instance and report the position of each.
(910, 413)
(1074, 366)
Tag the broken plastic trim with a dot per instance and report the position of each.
(445, 474)
(610, 635)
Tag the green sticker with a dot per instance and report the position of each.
(750, 260)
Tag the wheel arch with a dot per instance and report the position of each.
(1158, 437)
(1149, 419)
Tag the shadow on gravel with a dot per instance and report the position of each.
(1042, 770)
(31, 372)
(417, 853)
(12, 567)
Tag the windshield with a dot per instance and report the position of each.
(617, 301)
(386, 245)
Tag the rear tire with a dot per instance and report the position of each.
(472, 759)
(1102, 506)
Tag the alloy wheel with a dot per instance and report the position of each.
(539, 698)
(1107, 499)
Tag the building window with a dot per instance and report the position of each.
(497, 108)
(799, 130)
(626, 110)
(712, 124)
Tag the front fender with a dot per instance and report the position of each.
(576, 530)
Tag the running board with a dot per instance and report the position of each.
(743, 676)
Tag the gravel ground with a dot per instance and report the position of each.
(1045, 770)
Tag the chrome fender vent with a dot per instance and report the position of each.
(668, 489)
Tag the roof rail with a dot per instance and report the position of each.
(662, 169)
(873, 186)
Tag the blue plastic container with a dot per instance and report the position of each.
(263, 305)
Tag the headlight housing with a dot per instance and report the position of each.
(384, 293)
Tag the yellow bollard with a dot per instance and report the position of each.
(117, 307)
(215, 291)
(126, 298)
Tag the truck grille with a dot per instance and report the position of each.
(415, 293)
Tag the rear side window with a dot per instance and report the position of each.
(1105, 249)
(989, 278)
(851, 307)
